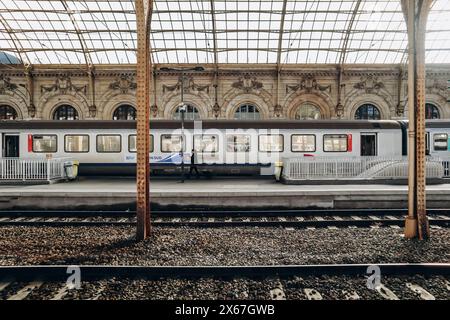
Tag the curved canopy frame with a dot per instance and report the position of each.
(217, 32)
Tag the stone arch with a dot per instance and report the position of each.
(171, 104)
(113, 101)
(247, 98)
(321, 101)
(48, 105)
(235, 97)
(440, 103)
(18, 105)
(354, 101)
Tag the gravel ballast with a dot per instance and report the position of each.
(291, 288)
(228, 246)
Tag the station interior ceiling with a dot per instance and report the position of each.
(280, 32)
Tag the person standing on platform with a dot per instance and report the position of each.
(193, 166)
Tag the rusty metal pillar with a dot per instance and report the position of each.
(143, 72)
(416, 14)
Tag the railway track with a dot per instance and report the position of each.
(26, 282)
(220, 219)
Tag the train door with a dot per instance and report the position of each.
(10, 146)
(369, 144)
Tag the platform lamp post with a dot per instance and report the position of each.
(183, 112)
(183, 107)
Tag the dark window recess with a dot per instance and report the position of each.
(431, 111)
(125, 112)
(65, 112)
(367, 112)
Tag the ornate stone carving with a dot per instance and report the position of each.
(308, 84)
(124, 83)
(369, 84)
(64, 85)
(247, 84)
(339, 110)
(400, 109)
(6, 85)
(437, 86)
(189, 86)
(216, 110)
(93, 111)
(154, 110)
(31, 110)
(278, 110)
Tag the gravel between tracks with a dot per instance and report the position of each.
(291, 288)
(229, 246)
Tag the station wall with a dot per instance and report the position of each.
(233, 91)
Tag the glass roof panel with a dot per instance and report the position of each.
(239, 31)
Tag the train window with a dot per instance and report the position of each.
(45, 143)
(303, 143)
(238, 143)
(271, 143)
(109, 143)
(171, 143)
(132, 143)
(76, 143)
(206, 143)
(440, 142)
(335, 143)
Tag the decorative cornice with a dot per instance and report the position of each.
(124, 83)
(64, 85)
(308, 84)
(247, 84)
(369, 84)
(6, 84)
(189, 86)
(374, 73)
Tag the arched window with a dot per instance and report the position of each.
(247, 112)
(7, 113)
(125, 112)
(367, 112)
(431, 111)
(308, 111)
(65, 112)
(190, 114)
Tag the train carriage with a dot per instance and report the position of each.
(230, 146)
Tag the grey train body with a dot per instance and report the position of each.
(223, 147)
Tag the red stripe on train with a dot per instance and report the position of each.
(30, 143)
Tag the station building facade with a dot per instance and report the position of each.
(230, 92)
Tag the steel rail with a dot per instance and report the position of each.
(97, 272)
(225, 222)
(216, 213)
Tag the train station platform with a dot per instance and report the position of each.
(227, 193)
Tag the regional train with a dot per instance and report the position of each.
(222, 146)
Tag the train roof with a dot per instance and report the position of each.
(206, 124)
(438, 123)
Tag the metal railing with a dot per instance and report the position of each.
(16, 169)
(446, 165)
(354, 168)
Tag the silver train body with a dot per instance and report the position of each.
(222, 147)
